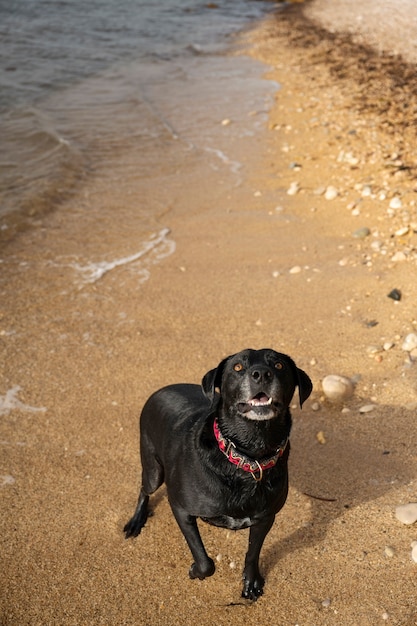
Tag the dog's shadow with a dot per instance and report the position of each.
(361, 460)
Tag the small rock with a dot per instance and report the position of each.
(315, 406)
(410, 342)
(395, 203)
(337, 387)
(372, 350)
(389, 551)
(295, 270)
(402, 231)
(414, 554)
(366, 191)
(406, 513)
(361, 233)
(326, 603)
(398, 257)
(395, 294)
(367, 408)
(226, 122)
(331, 193)
(321, 437)
(293, 189)
(388, 345)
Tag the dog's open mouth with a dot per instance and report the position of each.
(258, 403)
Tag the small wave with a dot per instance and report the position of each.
(157, 248)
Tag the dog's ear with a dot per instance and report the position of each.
(212, 381)
(305, 386)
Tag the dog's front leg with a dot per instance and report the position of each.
(253, 582)
(203, 565)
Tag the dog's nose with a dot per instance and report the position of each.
(261, 374)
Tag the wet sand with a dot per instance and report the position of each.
(87, 355)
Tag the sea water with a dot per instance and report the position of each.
(81, 82)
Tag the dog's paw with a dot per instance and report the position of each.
(253, 589)
(135, 525)
(202, 571)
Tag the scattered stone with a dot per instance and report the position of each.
(366, 191)
(372, 350)
(295, 270)
(367, 408)
(406, 513)
(226, 122)
(388, 345)
(320, 437)
(331, 193)
(395, 294)
(395, 203)
(398, 257)
(402, 231)
(326, 603)
(361, 233)
(6, 480)
(293, 189)
(414, 554)
(337, 387)
(410, 342)
(315, 406)
(389, 551)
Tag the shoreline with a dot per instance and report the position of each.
(279, 261)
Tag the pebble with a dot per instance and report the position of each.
(367, 408)
(395, 203)
(295, 270)
(331, 193)
(315, 406)
(337, 387)
(361, 233)
(389, 551)
(410, 342)
(414, 554)
(406, 513)
(395, 294)
(293, 189)
(398, 257)
(321, 438)
(326, 603)
(388, 345)
(402, 231)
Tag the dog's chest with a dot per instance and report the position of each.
(231, 523)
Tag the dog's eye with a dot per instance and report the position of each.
(238, 367)
(278, 365)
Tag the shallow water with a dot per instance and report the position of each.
(82, 85)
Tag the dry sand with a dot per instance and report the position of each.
(90, 356)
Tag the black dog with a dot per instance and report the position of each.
(222, 451)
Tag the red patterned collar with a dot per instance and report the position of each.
(241, 460)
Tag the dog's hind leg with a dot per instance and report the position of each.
(152, 478)
(135, 525)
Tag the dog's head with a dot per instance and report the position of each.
(257, 384)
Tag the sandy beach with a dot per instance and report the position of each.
(302, 258)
